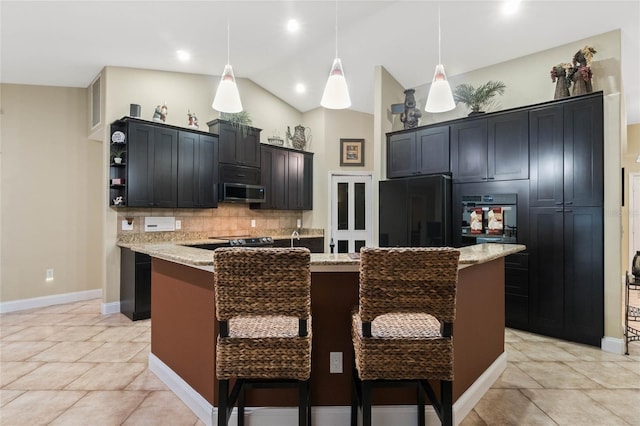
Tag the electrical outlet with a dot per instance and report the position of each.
(335, 362)
(49, 276)
(178, 224)
(253, 223)
(299, 223)
(126, 226)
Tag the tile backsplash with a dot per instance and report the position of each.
(227, 220)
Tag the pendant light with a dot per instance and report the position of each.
(336, 92)
(440, 98)
(227, 98)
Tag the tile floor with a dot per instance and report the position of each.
(69, 365)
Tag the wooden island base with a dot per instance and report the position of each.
(183, 349)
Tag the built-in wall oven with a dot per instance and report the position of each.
(489, 218)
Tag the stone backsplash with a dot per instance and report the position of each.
(227, 220)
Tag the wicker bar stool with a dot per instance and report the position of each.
(403, 330)
(263, 304)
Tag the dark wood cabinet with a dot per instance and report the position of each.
(567, 230)
(197, 170)
(421, 152)
(238, 145)
(152, 166)
(516, 290)
(314, 244)
(493, 148)
(287, 176)
(135, 284)
(469, 151)
(566, 154)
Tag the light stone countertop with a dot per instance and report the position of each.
(320, 262)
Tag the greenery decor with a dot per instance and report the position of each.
(241, 120)
(476, 99)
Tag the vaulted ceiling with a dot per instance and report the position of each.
(66, 43)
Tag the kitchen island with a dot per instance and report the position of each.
(183, 334)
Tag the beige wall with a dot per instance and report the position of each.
(51, 193)
(629, 155)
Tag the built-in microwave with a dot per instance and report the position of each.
(241, 193)
(489, 218)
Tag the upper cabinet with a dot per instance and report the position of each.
(197, 170)
(567, 154)
(491, 148)
(162, 166)
(422, 152)
(287, 176)
(152, 166)
(239, 145)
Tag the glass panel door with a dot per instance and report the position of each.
(351, 212)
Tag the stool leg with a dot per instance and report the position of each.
(421, 417)
(223, 398)
(241, 398)
(366, 402)
(354, 401)
(304, 410)
(447, 402)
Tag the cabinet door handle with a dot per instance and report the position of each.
(559, 210)
(490, 178)
(558, 203)
(569, 202)
(241, 175)
(568, 210)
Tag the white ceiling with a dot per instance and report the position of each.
(67, 43)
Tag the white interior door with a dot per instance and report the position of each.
(351, 205)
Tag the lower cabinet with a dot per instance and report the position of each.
(567, 273)
(516, 290)
(135, 284)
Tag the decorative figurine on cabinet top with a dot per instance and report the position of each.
(160, 114)
(411, 115)
(193, 120)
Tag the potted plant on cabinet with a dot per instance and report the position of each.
(241, 120)
(479, 98)
(118, 151)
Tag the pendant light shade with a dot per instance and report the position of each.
(336, 92)
(440, 98)
(227, 97)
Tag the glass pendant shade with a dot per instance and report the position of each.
(336, 92)
(227, 97)
(440, 98)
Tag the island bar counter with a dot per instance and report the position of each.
(184, 328)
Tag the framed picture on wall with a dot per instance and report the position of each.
(352, 152)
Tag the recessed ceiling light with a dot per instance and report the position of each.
(183, 55)
(301, 88)
(510, 7)
(293, 25)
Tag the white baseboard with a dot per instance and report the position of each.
(56, 299)
(110, 308)
(326, 416)
(612, 344)
(200, 406)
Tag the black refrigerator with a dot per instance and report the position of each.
(415, 212)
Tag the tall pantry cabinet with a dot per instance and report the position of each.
(566, 220)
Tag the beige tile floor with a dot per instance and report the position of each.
(69, 365)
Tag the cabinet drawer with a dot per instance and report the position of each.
(239, 174)
(517, 260)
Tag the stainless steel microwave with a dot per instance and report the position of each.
(241, 193)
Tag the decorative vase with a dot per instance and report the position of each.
(580, 85)
(635, 265)
(562, 89)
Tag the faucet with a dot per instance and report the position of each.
(294, 234)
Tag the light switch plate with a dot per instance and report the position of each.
(253, 223)
(178, 224)
(335, 362)
(126, 226)
(299, 222)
